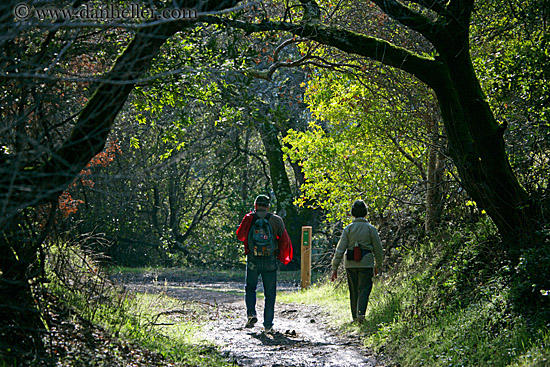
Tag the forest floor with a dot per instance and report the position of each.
(304, 334)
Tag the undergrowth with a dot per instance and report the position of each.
(452, 301)
(167, 327)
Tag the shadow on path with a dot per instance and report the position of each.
(301, 337)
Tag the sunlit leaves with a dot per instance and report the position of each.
(511, 57)
(344, 165)
(134, 142)
(351, 153)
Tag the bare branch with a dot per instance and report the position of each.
(409, 157)
(410, 18)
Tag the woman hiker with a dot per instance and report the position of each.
(361, 246)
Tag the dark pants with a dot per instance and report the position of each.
(267, 268)
(360, 286)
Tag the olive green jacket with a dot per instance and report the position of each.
(362, 232)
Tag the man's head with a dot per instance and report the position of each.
(261, 202)
(359, 209)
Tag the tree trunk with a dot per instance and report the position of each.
(434, 181)
(19, 262)
(477, 147)
(279, 179)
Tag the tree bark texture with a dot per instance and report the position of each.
(281, 183)
(434, 178)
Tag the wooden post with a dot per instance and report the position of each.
(307, 234)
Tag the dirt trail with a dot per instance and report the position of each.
(302, 337)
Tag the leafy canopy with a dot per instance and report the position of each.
(349, 151)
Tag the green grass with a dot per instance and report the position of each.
(334, 297)
(477, 335)
(440, 310)
(156, 322)
(484, 333)
(171, 327)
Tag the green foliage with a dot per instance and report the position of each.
(340, 168)
(169, 197)
(480, 334)
(447, 303)
(215, 245)
(511, 57)
(458, 307)
(531, 281)
(358, 148)
(192, 166)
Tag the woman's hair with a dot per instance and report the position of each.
(359, 209)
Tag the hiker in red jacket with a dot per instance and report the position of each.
(265, 241)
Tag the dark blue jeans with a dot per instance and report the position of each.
(267, 268)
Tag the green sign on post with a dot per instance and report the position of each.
(307, 234)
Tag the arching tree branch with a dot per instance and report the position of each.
(409, 18)
(424, 68)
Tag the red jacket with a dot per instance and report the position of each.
(283, 241)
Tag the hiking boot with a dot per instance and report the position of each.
(251, 321)
(269, 331)
(360, 320)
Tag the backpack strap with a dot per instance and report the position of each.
(255, 217)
